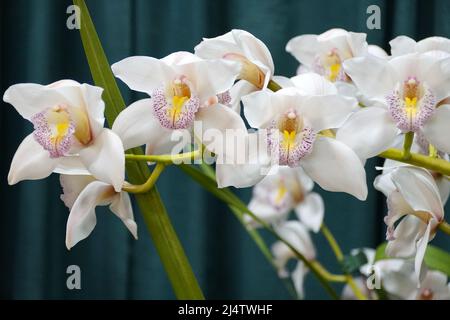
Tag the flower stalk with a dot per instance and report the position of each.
(340, 257)
(407, 143)
(444, 226)
(272, 85)
(146, 186)
(430, 163)
(166, 158)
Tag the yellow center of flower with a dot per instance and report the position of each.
(289, 127)
(333, 64)
(281, 193)
(411, 91)
(180, 94)
(334, 72)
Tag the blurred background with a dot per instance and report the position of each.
(36, 46)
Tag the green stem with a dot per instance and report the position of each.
(433, 164)
(340, 257)
(407, 143)
(166, 158)
(327, 275)
(444, 226)
(272, 85)
(158, 223)
(146, 186)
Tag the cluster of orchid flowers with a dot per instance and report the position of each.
(349, 101)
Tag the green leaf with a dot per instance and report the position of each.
(435, 258)
(156, 218)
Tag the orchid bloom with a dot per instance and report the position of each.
(438, 46)
(255, 61)
(399, 281)
(293, 119)
(298, 236)
(325, 53)
(416, 199)
(386, 185)
(408, 90)
(288, 189)
(68, 136)
(81, 194)
(183, 89)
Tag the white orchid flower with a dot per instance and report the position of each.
(325, 53)
(81, 194)
(437, 46)
(68, 136)
(287, 189)
(408, 90)
(398, 279)
(293, 119)
(416, 198)
(384, 182)
(298, 236)
(183, 89)
(256, 62)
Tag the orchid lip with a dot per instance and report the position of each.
(175, 105)
(411, 104)
(330, 66)
(53, 130)
(290, 140)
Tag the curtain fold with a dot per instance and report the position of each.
(36, 46)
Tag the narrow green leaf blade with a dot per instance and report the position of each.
(156, 218)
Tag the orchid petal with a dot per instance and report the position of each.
(72, 186)
(327, 112)
(121, 207)
(304, 48)
(29, 98)
(30, 162)
(335, 167)
(298, 276)
(418, 188)
(368, 132)
(311, 211)
(402, 45)
(406, 234)
(82, 219)
(136, 125)
(224, 120)
(437, 129)
(420, 254)
(105, 159)
(314, 84)
(374, 76)
(95, 107)
(143, 74)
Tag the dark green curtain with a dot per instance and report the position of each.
(37, 47)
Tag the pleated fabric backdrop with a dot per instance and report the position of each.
(37, 47)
